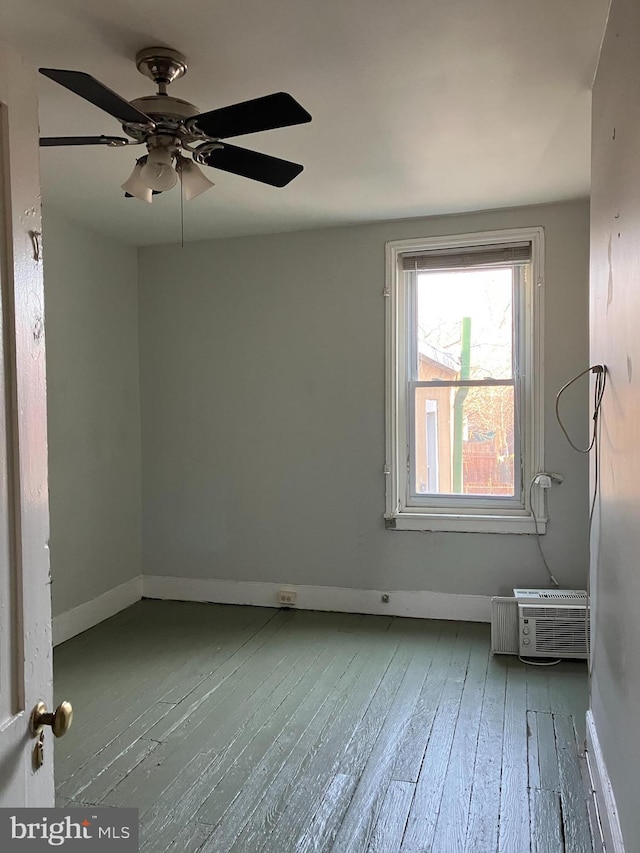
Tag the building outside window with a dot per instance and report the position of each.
(464, 382)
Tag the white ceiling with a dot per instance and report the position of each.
(419, 107)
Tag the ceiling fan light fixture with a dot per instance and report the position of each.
(158, 173)
(194, 181)
(134, 184)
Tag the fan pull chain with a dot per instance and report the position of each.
(181, 213)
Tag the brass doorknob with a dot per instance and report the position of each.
(60, 721)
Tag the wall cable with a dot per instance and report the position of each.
(600, 371)
(552, 578)
(601, 381)
(532, 662)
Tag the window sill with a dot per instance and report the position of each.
(441, 522)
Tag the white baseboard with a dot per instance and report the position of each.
(605, 800)
(86, 615)
(417, 604)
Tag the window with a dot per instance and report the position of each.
(464, 382)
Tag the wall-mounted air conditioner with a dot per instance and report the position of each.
(541, 623)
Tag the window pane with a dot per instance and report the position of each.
(464, 440)
(464, 324)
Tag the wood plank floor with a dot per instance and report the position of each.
(257, 730)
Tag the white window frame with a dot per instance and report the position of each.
(466, 513)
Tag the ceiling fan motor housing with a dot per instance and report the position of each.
(163, 65)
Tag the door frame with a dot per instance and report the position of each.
(24, 506)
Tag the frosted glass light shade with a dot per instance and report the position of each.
(194, 181)
(158, 173)
(134, 185)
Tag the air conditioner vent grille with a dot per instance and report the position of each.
(558, 638)
(557, 595)
(555, 630)
(575, 614)
(577, 595)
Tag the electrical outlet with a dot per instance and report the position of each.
(545, 478)
(287, 597)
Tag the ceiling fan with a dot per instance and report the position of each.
(169, 126)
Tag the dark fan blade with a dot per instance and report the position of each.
(252, 164)
(96, 93)
(277, 110)
(113, 141)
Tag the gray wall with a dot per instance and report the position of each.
(93, 411)
(615, 323)
(262, 380)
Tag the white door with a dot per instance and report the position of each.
(25, 608)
